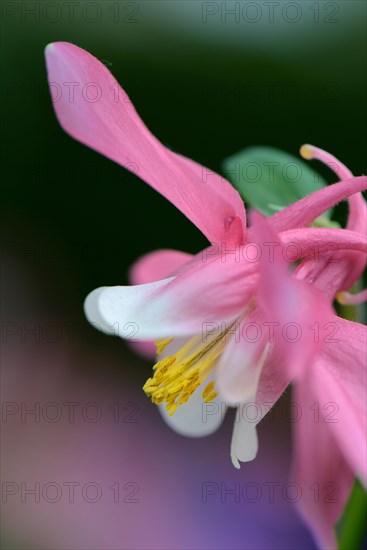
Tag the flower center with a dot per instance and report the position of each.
(177, 376)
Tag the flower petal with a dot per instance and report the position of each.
(116, 310)
(293, 307)
(152, 267)
(237, 381)
(240, 366)
(93, 109)
(157, 265)
(357, 218)
(306, 210)
(351, 266)
(274, 380)
(193, 418)
(196, 418)
(244, 444)
(332, 272)
(319, 468)
(334, 258)
(251, 373)
(340, 379)
(212, 291)
(317, 241)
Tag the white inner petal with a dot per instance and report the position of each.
(194, 418)
(244, 444)
(123, 311)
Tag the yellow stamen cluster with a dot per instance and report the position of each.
(177, 376)
(209, 394)
(162, 344)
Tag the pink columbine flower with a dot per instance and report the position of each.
(201, 309)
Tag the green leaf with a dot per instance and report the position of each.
(269, 179)
(351, 529)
